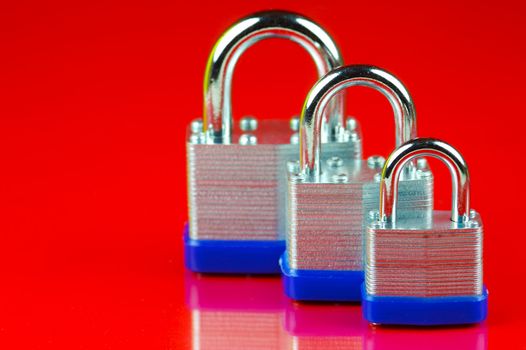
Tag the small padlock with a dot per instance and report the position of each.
(329, 207)
(419, 273)
(236, 178)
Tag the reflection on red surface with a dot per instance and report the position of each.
(398, 338)
(246, 312)
(325, 326)
(245, 293)
(233, 313)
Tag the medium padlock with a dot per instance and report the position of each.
(424, 273)
(236, 179)
(329, 207)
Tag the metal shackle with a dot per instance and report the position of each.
(217, 118)
(337, 80)
(422, 147)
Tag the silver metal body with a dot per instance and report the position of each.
(407, 257)
(328, 217)
(329, 201)
(238, 192)
(236, 176)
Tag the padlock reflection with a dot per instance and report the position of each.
(235, 312)
(324, 326)
(335, 327)
(251, 313)
(474, 337)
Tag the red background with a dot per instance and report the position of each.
(95, 98)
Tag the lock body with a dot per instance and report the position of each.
(237, 196)
(420, 273)
(329, 200)
(326, 224)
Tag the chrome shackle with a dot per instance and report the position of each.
(217, 118)
(421, 148)
(337, 80)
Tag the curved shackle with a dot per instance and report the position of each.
(337, 80)
(217, 118)
(421, 148)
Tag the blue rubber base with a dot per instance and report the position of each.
(418, 311)
(320, 285)
(232, 257)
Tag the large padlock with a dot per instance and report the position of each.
(236, 177)
(424, 273)
(329, 202)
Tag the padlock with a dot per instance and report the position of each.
(236, 178)
(424, 273)
(329, 202)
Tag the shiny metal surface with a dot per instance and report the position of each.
(330, 201)
(217, 118)
(407, 257)
(239, 191)
(420, 148)
(236, 176)
(411, 260)
(327, 219)
(337, 80)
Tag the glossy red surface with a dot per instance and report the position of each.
(95, 99)
(221, 325)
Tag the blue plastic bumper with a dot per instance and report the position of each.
(321, 285)
(232, 257)
(419, 311)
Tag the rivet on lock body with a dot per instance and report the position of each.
(236, 176)
(330, 201)
(418, 272)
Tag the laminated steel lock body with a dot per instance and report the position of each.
(418, 272)
(236, 177)
(329, 202)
